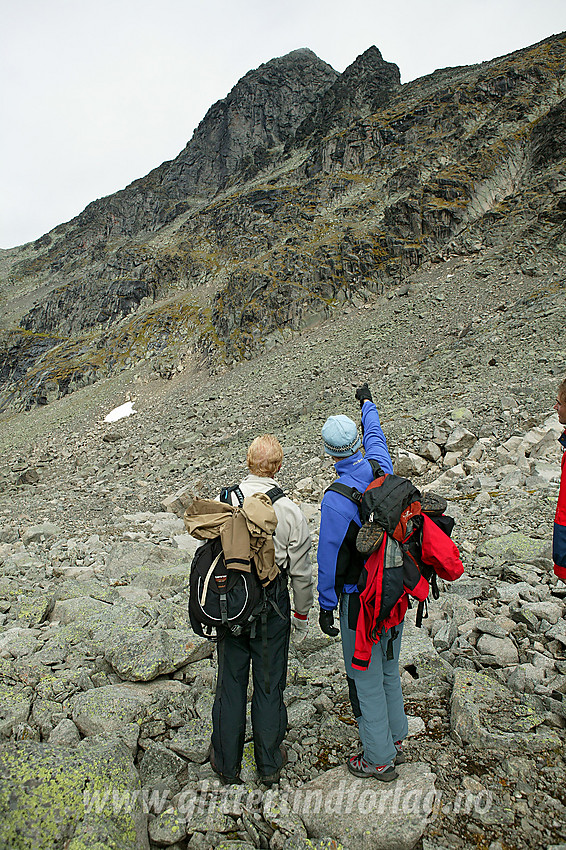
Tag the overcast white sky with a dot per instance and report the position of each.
(96, 93)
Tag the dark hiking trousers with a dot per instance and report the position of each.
(268, 712)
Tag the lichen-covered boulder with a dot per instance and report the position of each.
(193, 740)
(280, 816)
(109, 708)
(15, 704)
(32, 610)
(113, 707)
(147, 566)
(140, 655)
(487, 714)
(77, 798)
(167, 828)
(95, 613)
(516, 546)
(159, 767)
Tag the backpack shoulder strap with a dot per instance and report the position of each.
(226, 494)
(375, 467)
(350, 492)
(275, 493)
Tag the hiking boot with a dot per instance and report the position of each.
(432, 504)
(226, 780)
(358, 766)
(273, 778)
(369, 538)
(400, 757)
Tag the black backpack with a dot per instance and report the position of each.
(394, 505)
(221, 599)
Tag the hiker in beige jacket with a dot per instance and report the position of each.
(268, 713)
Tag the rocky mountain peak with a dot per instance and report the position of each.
(365, 86)
(301, 192)
(238, 134)
(260, 113)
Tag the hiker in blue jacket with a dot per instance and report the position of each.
(375, 693)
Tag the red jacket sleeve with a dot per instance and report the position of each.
(559, 533)
(440, 551)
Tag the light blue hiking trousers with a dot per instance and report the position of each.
(375, 693)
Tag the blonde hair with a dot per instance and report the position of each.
(264, 456)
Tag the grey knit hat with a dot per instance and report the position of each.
(340, 436)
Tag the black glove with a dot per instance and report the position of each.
(325, 621)
(363, 394)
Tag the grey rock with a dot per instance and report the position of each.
(524, 615)
(161, 767)
(460, 439)
(489, 627)
(557, 632)
(109, 708)
(39, 533)
(300, 713)
(512, 480)
(420, 659)
(167, 828)
(33, 610)
(334, 731)
(550, 611)
(8, 535)
(408, 464)
(357, 815)
(469, 589)
(95, 613)
(445, 637)
(278, 812)
(46, 714)
(514, 593)
(65, 733)
(517, 546)
(498, 652)
(15, 705)
(17, 642)
(430, 451)
(212, 820)
(140, 655)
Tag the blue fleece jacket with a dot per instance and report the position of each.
(340, 517)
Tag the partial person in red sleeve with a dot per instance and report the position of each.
(559, 535)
